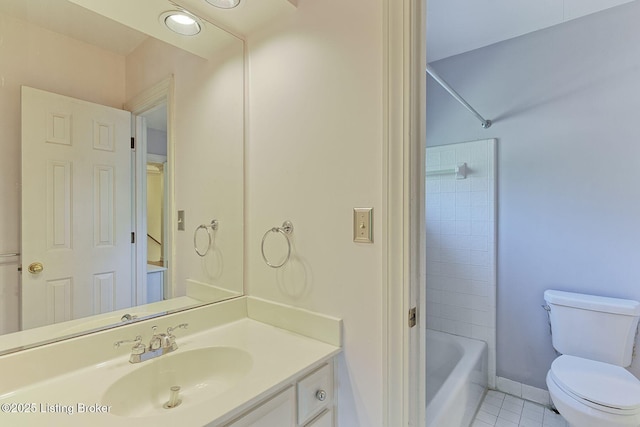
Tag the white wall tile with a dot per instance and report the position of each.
(448, 186)
(479, 258)
(463, 198)
(479, 243)
(478, 228)
(477, 198)
(461, 256)
(448, 227)
(433, 160)
(433, 187)
(463, 213)
(479, 184)
(434, 322)
(479, 213)
(463, 185)
(447, 158)
(478, 288)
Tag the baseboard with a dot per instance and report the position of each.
(523, 391)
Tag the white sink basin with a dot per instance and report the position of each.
(201, 374)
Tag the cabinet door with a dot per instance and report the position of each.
(323, 420)
(279, 411)
(315, 393)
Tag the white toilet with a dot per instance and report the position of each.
(595, 335)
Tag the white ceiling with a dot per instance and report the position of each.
(453, 26)
(121, 25)
(457, 26)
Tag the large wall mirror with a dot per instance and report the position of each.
(76, 87)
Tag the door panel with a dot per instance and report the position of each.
(76, 208)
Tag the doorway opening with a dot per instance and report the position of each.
(157, 253)
(151, 112)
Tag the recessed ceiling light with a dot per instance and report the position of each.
(224, 4)
(181, 22)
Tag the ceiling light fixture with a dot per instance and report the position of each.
(181, 22)
(224, 4)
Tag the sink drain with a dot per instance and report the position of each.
(174, 398)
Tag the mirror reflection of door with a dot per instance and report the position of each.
(156, 187)
(76, 211)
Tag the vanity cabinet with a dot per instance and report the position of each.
(325, 419)
(278, 411)
(314, 394)
(308, 402)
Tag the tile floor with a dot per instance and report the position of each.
(502, 410)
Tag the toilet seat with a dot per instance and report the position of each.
(602, 386)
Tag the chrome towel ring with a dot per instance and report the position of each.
(285, 230)
(209, 229)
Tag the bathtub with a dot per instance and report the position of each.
(456, 379)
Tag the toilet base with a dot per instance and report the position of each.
(578, 414)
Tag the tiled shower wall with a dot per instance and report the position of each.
(461, 243)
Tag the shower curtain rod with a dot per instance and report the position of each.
(485, 123)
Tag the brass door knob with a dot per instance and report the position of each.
(35, 267)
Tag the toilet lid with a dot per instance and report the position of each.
(601, 383)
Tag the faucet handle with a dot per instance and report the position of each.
(180, 326)
(171, 339)
(138, 347)
(156, 340)
(137, 341)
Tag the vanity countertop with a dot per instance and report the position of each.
(277, 355)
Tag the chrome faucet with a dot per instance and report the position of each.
(160, 343)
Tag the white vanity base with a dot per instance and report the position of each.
(298, 405)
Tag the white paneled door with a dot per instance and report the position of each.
(76, 208)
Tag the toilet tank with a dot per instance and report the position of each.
(593, 327)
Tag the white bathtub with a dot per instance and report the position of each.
(456, 379)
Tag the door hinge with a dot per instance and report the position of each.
(133, 237)
(413, 319)
(133, 143)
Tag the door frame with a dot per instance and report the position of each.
(404, 225)
(161, 92)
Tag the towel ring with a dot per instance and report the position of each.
(209, 228)
(285, 230)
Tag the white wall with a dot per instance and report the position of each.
(208, 134)
(32, 56)
(565, 105)
(315, 153)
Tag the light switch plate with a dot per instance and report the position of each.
(363, 225)
(180, 220)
